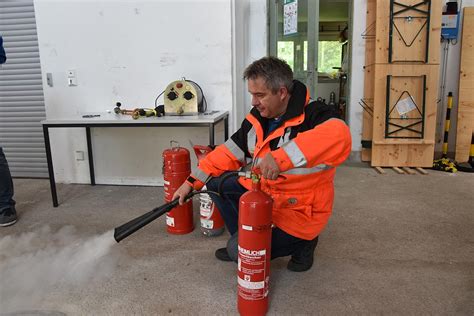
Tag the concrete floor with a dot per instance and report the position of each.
(396, 244)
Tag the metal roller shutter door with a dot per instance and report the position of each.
(21, 92)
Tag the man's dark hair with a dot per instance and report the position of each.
(274, 71)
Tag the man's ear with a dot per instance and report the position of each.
(283, 92)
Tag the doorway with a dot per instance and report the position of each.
(312, 37)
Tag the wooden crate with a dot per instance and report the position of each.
(465, 122)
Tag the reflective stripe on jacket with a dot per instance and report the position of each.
(307, 146)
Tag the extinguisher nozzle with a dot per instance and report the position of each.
(135, 224)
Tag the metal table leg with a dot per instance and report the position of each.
(52, 181)
(211, 134)
(89, 153)
(226, 127)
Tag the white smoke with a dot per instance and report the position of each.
(33, 263)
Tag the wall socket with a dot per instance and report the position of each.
(71, 78)
(79, 154)
(49, 79)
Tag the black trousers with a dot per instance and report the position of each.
(283, 244)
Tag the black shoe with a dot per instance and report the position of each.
(302, 260)
(222, 254)
(8, 217)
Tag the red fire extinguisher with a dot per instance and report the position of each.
(253, 264)
(212, 223)
(176, 169)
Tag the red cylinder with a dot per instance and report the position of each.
(253, 265)
(211, 220)
(176, 169)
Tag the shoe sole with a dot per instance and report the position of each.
(8, 224)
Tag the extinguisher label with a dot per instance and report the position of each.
(247, 227)
(169, 221)
(206, 207)
(207, 223)
(251, 279)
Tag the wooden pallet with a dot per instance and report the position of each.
(402, 170)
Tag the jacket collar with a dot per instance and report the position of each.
(296, 104)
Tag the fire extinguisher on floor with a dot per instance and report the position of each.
(176, 169)
(254, 250)
(212, 223)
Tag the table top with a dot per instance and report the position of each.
(105, 118)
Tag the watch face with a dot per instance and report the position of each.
(181, 98)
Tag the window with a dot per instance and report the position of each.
(285, 51)
(329, 56)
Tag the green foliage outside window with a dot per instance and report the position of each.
(329, 56)
(286, 52)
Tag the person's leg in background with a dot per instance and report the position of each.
(228, 206)
(7, 204)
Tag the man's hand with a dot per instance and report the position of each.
(182, 191)
(268, 167)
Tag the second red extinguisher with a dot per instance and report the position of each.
(253, 263)
(212, 223)
(176, 169)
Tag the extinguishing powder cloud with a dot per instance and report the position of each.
(33, 263)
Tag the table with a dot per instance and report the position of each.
(118, 120)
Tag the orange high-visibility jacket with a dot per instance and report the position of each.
(307, 146)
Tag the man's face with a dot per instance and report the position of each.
(269, 104)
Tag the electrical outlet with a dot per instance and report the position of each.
(79, 155)
(49, 79)
(71, 73)
(71, 78)
(72, 82)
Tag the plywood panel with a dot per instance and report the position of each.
(407, 44)
(381, 155)
(380, 79)
(367, 102)
(369, 33)
(391, 155)
(465, 123)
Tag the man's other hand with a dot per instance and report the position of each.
(182, 191)
(268, 167)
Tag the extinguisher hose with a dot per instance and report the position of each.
(135, 224)
(223, 179)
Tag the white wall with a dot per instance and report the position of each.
(129, 51)
(250, 43)
(356, 78)
(324, 89)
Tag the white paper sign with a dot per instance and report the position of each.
(405, 105)
(290, 18)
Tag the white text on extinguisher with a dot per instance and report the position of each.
(252, 252)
